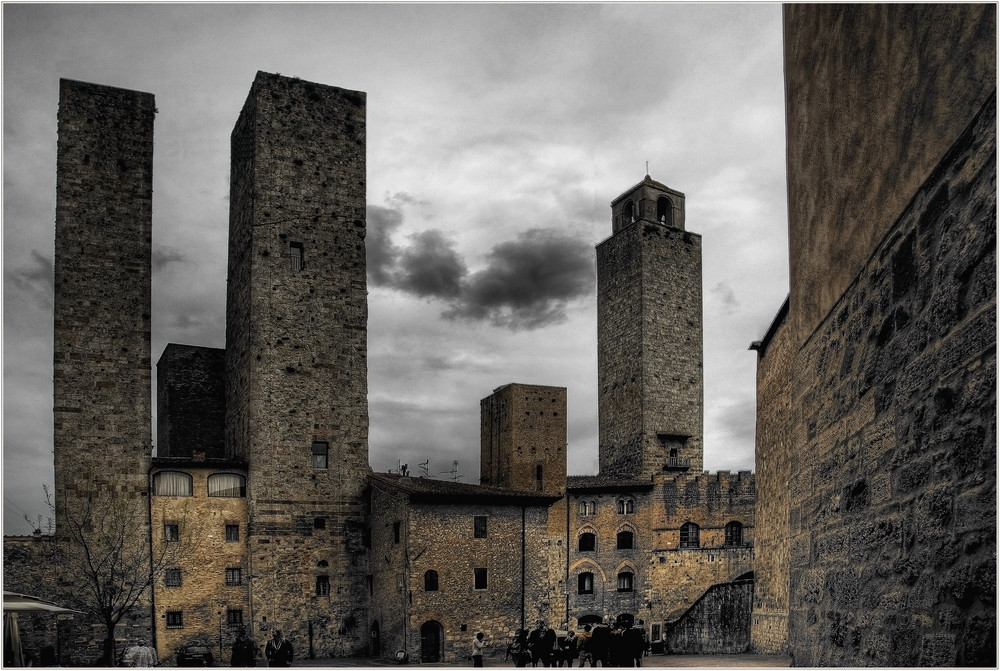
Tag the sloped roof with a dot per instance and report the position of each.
(582, 484)
(428, 490)
(647, 181)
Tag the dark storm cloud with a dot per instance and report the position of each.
(528, 282)
(381, 253)
(161, 258)
(35, 278)
(430, 267)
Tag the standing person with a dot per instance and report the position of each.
(583, 645)
(635, 644)
(278, 650)
(569, 649)
(244, 651)
(519, 649)
(600, 644)
(477, 649)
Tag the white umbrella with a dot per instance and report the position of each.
(13, 601)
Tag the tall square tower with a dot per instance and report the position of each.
(649, 336)
(101, 364)
(296, 356)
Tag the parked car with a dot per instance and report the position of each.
(195, 655)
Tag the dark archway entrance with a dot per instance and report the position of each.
(431, 642)
(376, 640)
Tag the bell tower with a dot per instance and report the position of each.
(649, 336)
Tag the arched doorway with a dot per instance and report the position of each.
(376, 640)
(431, 642)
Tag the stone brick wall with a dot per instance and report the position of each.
(440, 537)
(892, 313)
(668, 579)
(202, 555)
(718, 623)
(101, 361)
(298, 377)
(650, 386)
(524, 430)
(773, 454)
(191, 401)
(893, 511)
(888, 88)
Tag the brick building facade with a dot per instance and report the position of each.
(261, 494)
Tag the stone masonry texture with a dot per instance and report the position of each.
(296, 338)
(191, 402)
(101, 376)
(891, 337)
(649, 314)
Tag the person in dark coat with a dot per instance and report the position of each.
(600, 645)
(244, 651)
(635, 644)
(278, 650)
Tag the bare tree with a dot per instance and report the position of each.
(109, 557)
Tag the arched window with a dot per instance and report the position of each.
(588, 508)
(626, 540)
(625, 581)
(588, 542)
(628, 213)
(585, 583)
(431, 581)
(689, 535)
(230, 485)
(172, 483)
(664, 211)
(734, 534)
(626, 506)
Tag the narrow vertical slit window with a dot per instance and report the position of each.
(296, 256)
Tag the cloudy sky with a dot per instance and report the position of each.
(498, 134)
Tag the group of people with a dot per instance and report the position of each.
(620, 644)
(277, 652)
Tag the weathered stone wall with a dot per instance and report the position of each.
(101, 361)
(773, 455)
(650, 389)
(202, 555)
(297, 351)
(668, 579)
(524, 430)
(893, 507)
(717, 624)
(887, 88)
(892, 206)
(191, 402)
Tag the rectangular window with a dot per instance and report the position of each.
(624, 582)
(585, 583)
(320, 452)
(296, 256)
(234, 577)
(232, 533)
(234, 617)
(655, 634)
(480, 526)
(395, 531)
(322, 585)
(481, 582)
(171, 533)
(175, 619)
(172, 577)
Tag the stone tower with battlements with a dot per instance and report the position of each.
(649, 336)
(101, 364)
(296, 366)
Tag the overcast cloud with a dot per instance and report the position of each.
(497, 137)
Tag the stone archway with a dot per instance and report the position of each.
(431, 642)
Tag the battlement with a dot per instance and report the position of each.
(709, 491)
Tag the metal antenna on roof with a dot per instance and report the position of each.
(647, 168)
(454, 471)
(424, 468)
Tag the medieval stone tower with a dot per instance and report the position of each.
(649, 336)
(101, 376)
(296, 368)
(523, 438)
